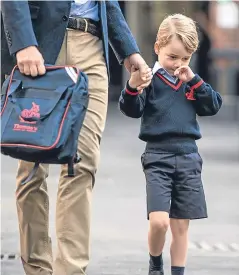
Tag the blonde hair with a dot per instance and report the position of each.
(180, 26)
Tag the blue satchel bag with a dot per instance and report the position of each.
(41, 117)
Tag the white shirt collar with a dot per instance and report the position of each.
(156, 67)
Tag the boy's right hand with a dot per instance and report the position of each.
(140, 82)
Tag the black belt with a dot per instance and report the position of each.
(85, 25)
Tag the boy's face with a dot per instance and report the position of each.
(173, 55)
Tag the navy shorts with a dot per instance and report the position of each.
(174, 185)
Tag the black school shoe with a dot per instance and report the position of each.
(155, 272)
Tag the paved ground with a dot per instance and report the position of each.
(119, 224)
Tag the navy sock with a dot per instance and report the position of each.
(177, 270)
(156, 263)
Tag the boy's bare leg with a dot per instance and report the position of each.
(158, 226)
(179, 245)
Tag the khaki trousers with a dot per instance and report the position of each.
(73, 207)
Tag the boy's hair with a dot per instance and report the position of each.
(180, 26)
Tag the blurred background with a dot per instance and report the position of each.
(119, 225)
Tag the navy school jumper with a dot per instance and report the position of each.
(168, 112)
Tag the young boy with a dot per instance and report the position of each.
(171, 162)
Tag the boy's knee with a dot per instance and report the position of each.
(179, 227)
(159, 224)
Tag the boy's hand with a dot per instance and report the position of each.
(140, 81)
(184, 73)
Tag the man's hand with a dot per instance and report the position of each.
(139, 63)
(30, 61)
(184, 73)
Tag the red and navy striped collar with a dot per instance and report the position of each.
(170, 80)
(159, 69)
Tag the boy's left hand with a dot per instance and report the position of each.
(140, 81)
(184, 73)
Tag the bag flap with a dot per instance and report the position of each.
(33, 104)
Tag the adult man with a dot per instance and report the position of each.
(64, 32)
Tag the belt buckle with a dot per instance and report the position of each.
(86, 25)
